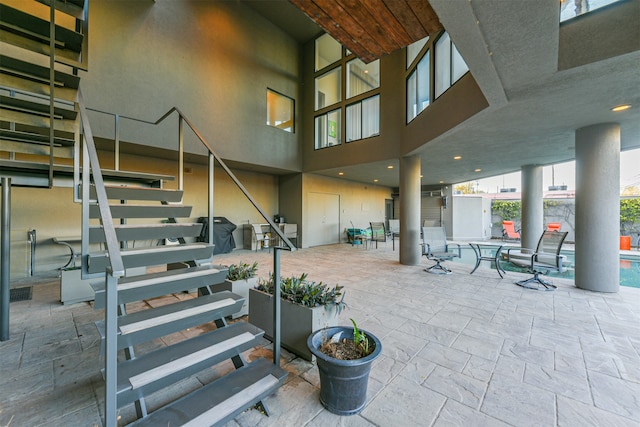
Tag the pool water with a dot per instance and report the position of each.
(629, 266)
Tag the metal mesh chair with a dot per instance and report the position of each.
(436, 248)
(546, 258)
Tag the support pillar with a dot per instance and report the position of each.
(598, 208)
(5, 263)
(532, 206)
(410, 251)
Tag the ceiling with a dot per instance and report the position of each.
(373, 29)
(513, 54)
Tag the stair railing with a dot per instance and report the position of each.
(91, 171)
(213, 157)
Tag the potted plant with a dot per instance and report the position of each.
(344, 356)
(240, 278)
(306, 307)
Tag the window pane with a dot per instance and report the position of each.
(362, 77)
(414, 49)
(459, 67)
(279, 111)
(354, 122)
(329, 88)
(371, 117)
(328, 130)
(423, 83)
(443, 64)
(412, 91)
(571, 8)
(328, 51)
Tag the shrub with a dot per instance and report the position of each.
(241, 271)
(300, 290)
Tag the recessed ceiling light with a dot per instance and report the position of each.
(390, 167)
(441, 182)
(478, 170)
(622, 107)
(375, 180)
(340, 173)
(457, 157)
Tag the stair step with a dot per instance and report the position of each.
(150, 372)
(143, 211)
(137, 288)
(73, 8)
(37, 148)
(154, 255)
(17, 22)
(121, 192)
(221, 400)
(129, 232)
(146, 325)
(37, 73)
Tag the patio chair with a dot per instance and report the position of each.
(554, 226)
(546, 258)
(379, 233)
(436, 248)
(509, 231)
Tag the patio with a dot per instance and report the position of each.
(459, 349)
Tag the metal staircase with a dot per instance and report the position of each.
(45, 133)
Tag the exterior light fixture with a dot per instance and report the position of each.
(622, 107)
(340, 173)
(390, 167)
(457, 157)
(478, 170)
(375, 180)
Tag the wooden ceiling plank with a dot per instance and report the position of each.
(405, 15)
(328, 24)
(385, 40)
(352, 27)
(427, 16)
(379, 11)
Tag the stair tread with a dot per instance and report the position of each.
(153, 255)
(122, 192)
(158, 284)
(35, 72)
(146, 325)
(126, 232)
(210, 348)
(222, 399)
(143, 211)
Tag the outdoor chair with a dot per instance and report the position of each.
(394, 231)
(546, 258)
(379, 233)
(436, 248)
(509, 231)
(554, 226)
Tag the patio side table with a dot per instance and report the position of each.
(489, 255)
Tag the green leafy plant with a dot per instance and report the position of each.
(241, 271)
(629, 215)
(300, 290)
(360, 338)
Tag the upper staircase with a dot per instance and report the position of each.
(45, 137)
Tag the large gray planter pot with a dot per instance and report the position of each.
(296, 321)
(343, 383)
(238, 287)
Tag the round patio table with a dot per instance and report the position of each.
(485, 252)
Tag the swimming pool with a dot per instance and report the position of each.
(629, 266)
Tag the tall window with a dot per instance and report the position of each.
(280, 111)
(341, 77)
(418, 88)
(449, 64)
(414, 49)
(363, 119)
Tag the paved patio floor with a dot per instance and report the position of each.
(461, 349)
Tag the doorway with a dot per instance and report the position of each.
(323, 226)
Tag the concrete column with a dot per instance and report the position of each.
(532, 206)
(410, 252)
(5, 260)
(598, 208)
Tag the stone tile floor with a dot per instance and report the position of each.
(461, 349)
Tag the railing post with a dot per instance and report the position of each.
(5, 252)
(276, 306)
(116, 137)
(181, 155)
(111, 349)
(212, 164)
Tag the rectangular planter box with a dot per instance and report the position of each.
(238, 287)
(296, 322)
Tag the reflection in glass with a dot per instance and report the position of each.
(280, 111)
(328, 88)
